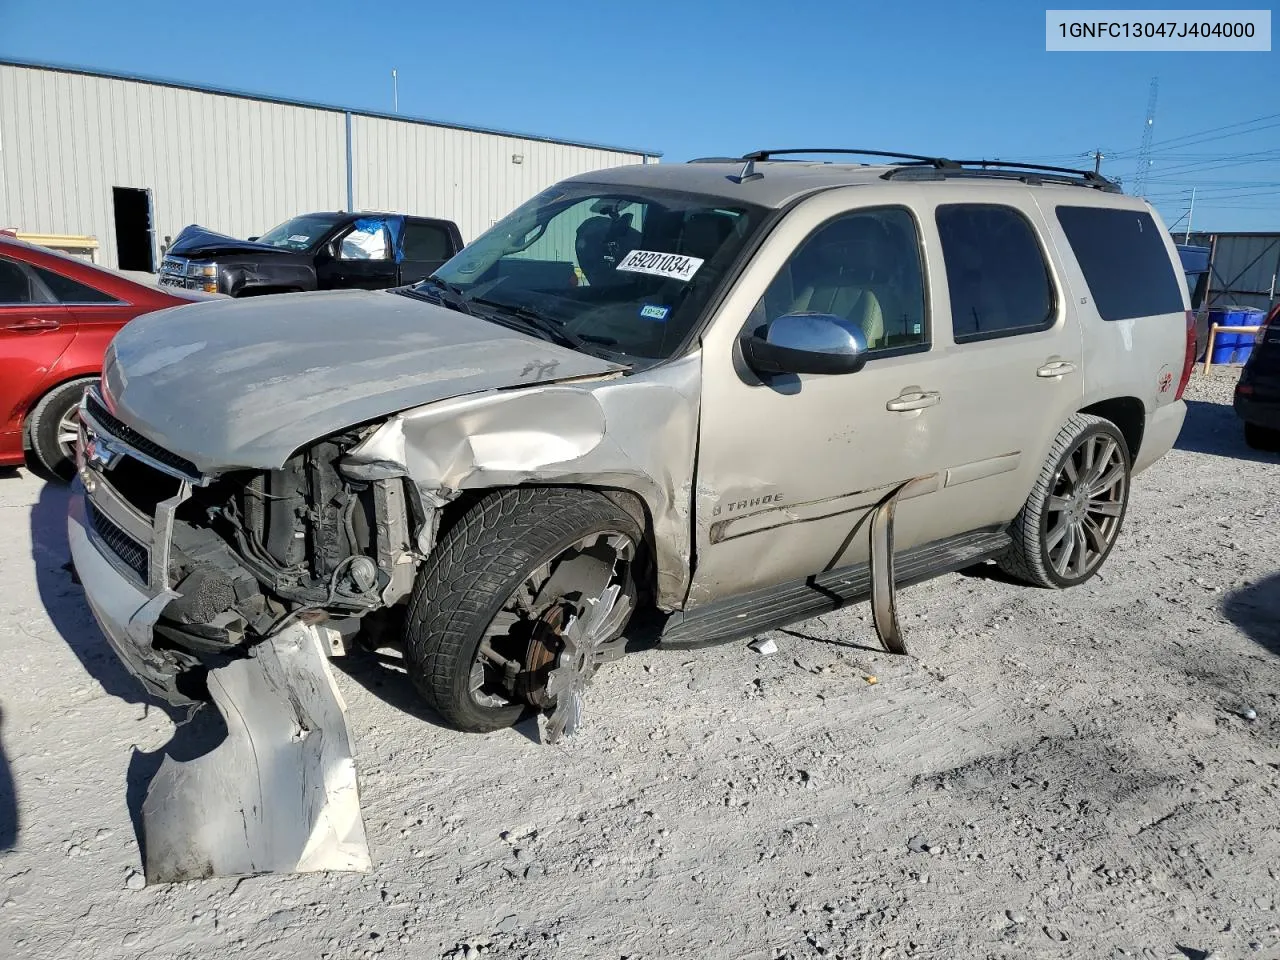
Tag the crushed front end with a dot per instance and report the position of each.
(210, 587)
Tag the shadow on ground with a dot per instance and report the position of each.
(8, 799)
(1214, 429)
(382, 673)
(1255, 610)
(64, 602)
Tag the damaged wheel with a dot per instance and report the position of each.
(519, 603)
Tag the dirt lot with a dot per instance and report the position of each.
(1053, 775)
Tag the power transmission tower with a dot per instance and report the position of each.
(1144, 152)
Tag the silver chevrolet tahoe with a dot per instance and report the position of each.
(660, 403)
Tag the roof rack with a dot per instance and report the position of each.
(1009, 170)
(914, 166)
(937, 162)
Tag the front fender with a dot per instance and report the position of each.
(636, 433)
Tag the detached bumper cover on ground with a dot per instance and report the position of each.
(280, 793)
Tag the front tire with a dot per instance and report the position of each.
(53, 428)
(511, 572)
(1066, 529)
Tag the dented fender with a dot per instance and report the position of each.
(636, 433)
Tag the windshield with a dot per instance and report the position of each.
(627, 270)
(300, 232)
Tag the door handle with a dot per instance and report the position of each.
(1055, 368)
(916, 400)
(34, 325)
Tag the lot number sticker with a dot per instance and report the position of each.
(661, 264)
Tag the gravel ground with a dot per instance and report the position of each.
(1052, 775)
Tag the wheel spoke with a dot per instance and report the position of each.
(1097, 539)
(1056, 534)
(1100, 459)
(1107, 508)
(1081, 547)
(1062, 561)
(1057, 504)
(1107, 481)
(1069, 469)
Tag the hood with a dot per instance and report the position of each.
(197, 241)
(245, 383)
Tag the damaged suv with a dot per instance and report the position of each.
(681, 403)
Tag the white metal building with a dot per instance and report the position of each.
(132, 160)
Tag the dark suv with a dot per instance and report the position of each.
(315, 251)
(1257, 400)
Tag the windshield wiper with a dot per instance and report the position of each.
(554, 329)
(443, 293)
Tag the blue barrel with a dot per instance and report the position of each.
(1234, 347)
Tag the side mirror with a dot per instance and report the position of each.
(805, 343)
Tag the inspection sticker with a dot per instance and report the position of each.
(651, 311)
(672, 265)
(299, 238)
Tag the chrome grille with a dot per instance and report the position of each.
(173, 271)
(122, 431)
(128, 550)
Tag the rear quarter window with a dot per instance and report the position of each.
(1125, 262)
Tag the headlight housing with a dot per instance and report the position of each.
(203, 276)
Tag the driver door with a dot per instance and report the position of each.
(790, 466)
(361, 257)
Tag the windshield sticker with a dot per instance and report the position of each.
(672, 265)
(299, 238)
(652, 311)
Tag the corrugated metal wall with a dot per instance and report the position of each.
(1246, 268)
(240, 165)
(469, 178)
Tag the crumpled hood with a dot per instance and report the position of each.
(246, 383)
(195, 240)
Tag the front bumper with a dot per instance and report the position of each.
(125, 612)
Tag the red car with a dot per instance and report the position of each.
(57, 315)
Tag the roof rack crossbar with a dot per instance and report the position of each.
(761, 155)
(998, 164)
(1011, 172)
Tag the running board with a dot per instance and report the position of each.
(748, 614)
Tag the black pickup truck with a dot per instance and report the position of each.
(315, 251)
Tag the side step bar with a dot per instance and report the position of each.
(748, 614)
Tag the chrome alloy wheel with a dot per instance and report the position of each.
(1085, 507)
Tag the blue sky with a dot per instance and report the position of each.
(717, 77)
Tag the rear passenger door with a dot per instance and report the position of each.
(424, 246)
(1014, 369)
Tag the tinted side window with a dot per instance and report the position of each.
(15, 285)
(862, 266)
(1124, 260)
(996, 272)
(66, 290)
(425, 241)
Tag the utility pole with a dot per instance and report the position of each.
(1186, 238)
(395, 91)
(1097, 160)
